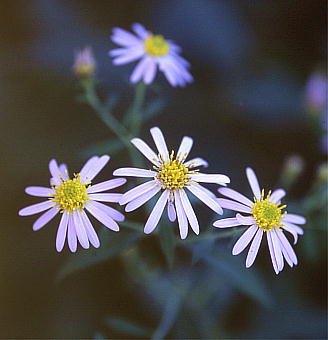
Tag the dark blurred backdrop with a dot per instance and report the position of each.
(250, 61)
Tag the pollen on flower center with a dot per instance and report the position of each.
(267, 214)
(71, 194)
(156, 45)
(173, 174)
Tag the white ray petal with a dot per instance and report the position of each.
(196, 162)
(272, 253)
(146, 150)
(156, 213)
(233, 194)
(293, 218)
(189, 211)
(184, 149)
(244, 240)
(205, 198)
(254, 248)
(253, 182)
(277, 250)
(277, 195)
(232, 205)
(209, 178)
(245, 220)
(142, 199)
(182, 218)
(160, 143)
(226, 222)
(134, 172)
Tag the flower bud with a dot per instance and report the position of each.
(84, 63)
(316, 93)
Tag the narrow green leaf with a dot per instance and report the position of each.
(168, 242)
(153, 108)
(170, 314)
(243, 279)
(111, 245)
(213, 235)
(132, 225)
(128, 327)
(99, 336)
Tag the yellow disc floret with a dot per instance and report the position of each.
(71, 194)
(267, 214)
(173, 174)
(156, 45)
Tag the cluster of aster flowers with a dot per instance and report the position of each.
(171, 175)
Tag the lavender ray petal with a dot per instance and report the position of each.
(146, 150)
(45, 218)
(156, 213)
(182, 218)
(254, 248)
(226, 222)
(107, 185)
(61, 232)
(40, 191)
(36, 208)
(134, 172)
(244, 240)
(232, 205)
(233, 194)
(160, 143)
(253, 182)
(189, 211)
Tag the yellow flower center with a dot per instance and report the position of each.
(173, 174)
(71, 194)
(156, 45)
(267, 214)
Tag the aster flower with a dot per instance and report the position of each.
(153, 51)
(265, 215)
(84, 63)
(71, 197)
(172, 175)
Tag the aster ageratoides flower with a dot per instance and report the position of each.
(171, 175)
(264, 215)
(153, 51)
(71, 197)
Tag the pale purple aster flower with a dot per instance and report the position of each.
(71, 197)
(264, 215)
(84, 63)
(154, 52)
(171, 175)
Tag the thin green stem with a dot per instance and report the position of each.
(105, 115)
(134, 116)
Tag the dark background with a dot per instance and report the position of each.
(250, 60)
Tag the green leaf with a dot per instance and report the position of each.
(128, 327)
(99, 336)
(132, 225)
(213, 235)
(107, 146)
(170, 314)
(245, 280)
(167, 240)
(153, 108)
(111, 245)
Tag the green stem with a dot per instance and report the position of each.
(134, 116)
(105, 115)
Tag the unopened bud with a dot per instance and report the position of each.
(316, 93)
(292, 169)
(84, 63)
